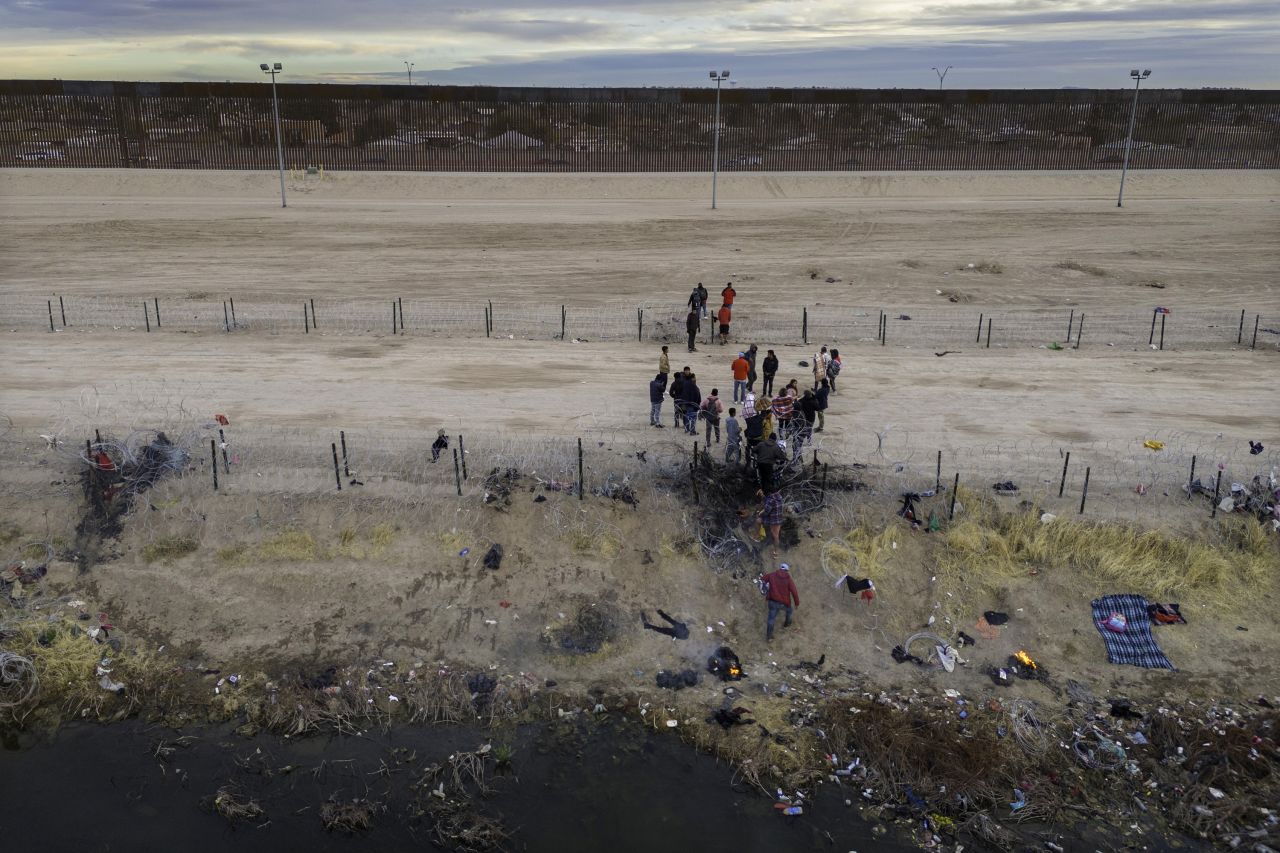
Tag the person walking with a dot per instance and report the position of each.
(748, 404)
(724, 316)
(770, 370)
(657, 390)
(732, 438)
(695, 299)
(691, 325)
(728, 294)
(741, 368)
(692, 399)
(712, 408)
(768, 456)
(664, 367)
(765, 407)
(833, 369)
(703, 296)
(750, 356)
(782, 593)
(820, 361)
(823, 395)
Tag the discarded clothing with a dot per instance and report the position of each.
(725, 665)
(863, 585)
(1152, 444)
(677, 680)
(963, 639)
(987, 630)
(1134, 645)
(676, 630)
(493, 558)
(1122, 709)
(728, 718)
(901, 655)
(1008, 487)
(995, 617)
(1255, 447)
(1166, 614)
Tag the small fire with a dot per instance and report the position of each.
(734, 670)
(1025, 659)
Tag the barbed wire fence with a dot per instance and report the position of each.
(937, 328)
(368, 476)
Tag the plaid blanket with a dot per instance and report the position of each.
(1134, 645)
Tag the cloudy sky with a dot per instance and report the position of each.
(860, 43)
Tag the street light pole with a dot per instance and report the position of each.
(409, 67)
(942, 75)
(1138, 77)
(273, 70)
(719, 77)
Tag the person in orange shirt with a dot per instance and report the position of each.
(725, 315)
(728, 293)
(741, 368)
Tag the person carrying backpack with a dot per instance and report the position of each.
(833, 368)
(703, 296)
(712, 408)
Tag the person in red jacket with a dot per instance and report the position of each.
(724, 315)
(781, 593)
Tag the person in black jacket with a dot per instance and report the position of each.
(691, 400)
(770, 370)
(769, 455)
(755, 434)
(750, 356)
(808, 407)
(674, 393)
(657, 389)
(691, 325)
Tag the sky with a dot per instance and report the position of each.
(792, 43)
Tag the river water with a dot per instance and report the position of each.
(573, 787)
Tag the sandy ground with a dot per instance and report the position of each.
(584, 240)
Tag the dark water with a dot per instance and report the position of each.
(615, 787)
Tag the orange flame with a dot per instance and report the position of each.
(1025, 659)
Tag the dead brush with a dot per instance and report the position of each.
(348, 816)
(440, 698)
(235, 806)
(907, 749)
(457, 825)
(468, 768)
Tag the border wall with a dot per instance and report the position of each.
(64, 123)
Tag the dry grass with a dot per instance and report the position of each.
(169, 548)
(66, 661)
(289, 546)
(987, 549)
(1076, 266)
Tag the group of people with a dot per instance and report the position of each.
(773, 418)
(698, 312)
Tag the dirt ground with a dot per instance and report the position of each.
(364, 578)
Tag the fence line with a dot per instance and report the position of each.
(830, 325)
(1141, 478)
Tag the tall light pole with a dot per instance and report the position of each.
(942, 75)
(719, 77)
(1138, 77)
(409, 67)
(273, 70)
